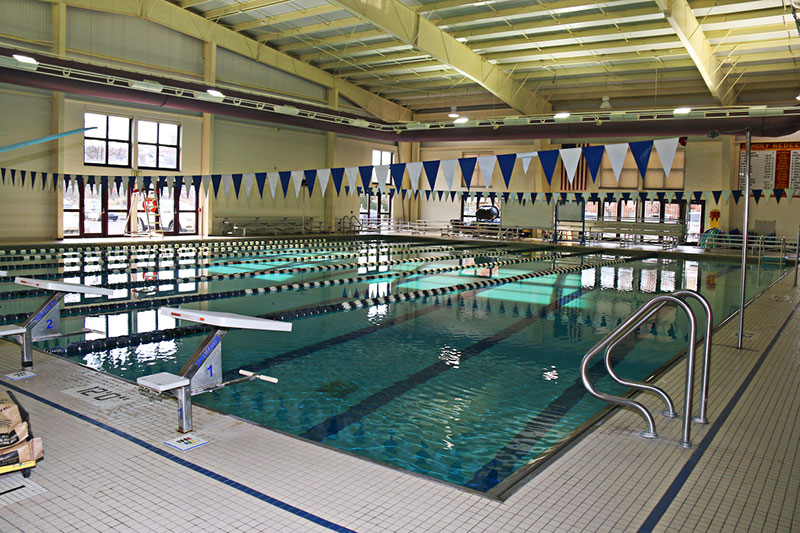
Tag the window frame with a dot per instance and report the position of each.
(107, 139)
(158, 144)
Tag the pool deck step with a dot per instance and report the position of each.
(107, 467)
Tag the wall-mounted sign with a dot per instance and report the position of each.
(772, 165)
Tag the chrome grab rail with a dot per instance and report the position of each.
(626, 328)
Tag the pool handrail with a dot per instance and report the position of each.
(623, 330)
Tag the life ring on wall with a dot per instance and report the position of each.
(150, 276)
(150, 205)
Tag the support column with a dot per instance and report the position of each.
(58, 18)
(207, 135)
(328, 215)
(413, 205)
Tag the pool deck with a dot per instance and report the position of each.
(107, 468)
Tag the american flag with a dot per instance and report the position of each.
(581, 173)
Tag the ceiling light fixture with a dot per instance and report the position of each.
(146, 85)
(562, 114)
(797, 97)
(461, 120)
(606, 103)
(411, 126)
(26, 62)
(453, 113)
(287, 110)
(210, 95)
(682, 111)
(359, 123)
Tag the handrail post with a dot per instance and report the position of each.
(746, 218)
(701, 417)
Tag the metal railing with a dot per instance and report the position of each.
(639, 317)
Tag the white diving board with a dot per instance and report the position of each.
(225, 320)
(11, 329)
(62, 286)
(203, 372)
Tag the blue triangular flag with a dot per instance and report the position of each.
(3, 174)
(505, 197)
(397, 170)
(757, 194)
(520, 197)
(548, 196)
(594, 197)
(533, 197)
(453, 196)
(626, 196)
(641, 154)
(427, 194)
(610, 197)
(216, 179)
(33, 179)
(548, 160)
(467, 165)
(440, 194)
(403, 193)
(506, 164)
(579, 197)
(660, 195)
(679, 196)
(261, 180)
(89, 182)
(44, 180)
(478, 196)
(104, 181)
(359, 190)
(237, 183)
(736, 195)
(197, 182)
(563, 197)
(178, 185)
(147, 180)
(162, 182)
(366, 175)
(779, 193)
(643, 196)
(593, 155)
(337, 175)
(13, 175)
(431, 170)
(716, 195)
(311, 178)
(698, 195)
(285, 176)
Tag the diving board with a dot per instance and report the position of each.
(45, 322)
(203, 371)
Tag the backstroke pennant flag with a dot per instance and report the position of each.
(337, 174)
(215, 181)
(414, 171)
(666, 148)
(324, 175)
(274, 178)
(570, 158)
(641, 154)
(526, 157)
(506, 164)
(237, 183)
(366, 175)
(382, 173)
(593, 155)
(248, 183)
(197, 182)
(467, 165)
(311, 179)
(449, 169)
(352, 175)
(261, 179)
(486, 164)
(431, 170)
(297, 179)
(548, 159)
(398, 170)
(616, 156)
(227, 180)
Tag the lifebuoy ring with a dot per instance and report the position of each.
(150, 276)
(150, 205)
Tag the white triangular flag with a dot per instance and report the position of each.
(526, 160)
(666, 148)
(297, 179)
(382, 171)
(273, 178)
(616, 156)
(726, 196)
(789, 195)
(352, 176)
(486, 163)
(227, 180)
(570, 158)
(206, 183)
(247, 179)
(414, 169)
(449, 169)
(323, 175)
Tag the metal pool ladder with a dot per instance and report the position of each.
(629, 326)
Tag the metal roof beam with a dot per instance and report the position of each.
(286, 17)
(239, 7)
(680, 16)
(410, 27)
(181, 20)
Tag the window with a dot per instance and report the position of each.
(373, 203)
(158, 145)
(108, 143)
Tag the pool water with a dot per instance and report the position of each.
(467, 386)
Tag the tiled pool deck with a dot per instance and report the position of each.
(107, 468)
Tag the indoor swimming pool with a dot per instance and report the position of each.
(458, 361)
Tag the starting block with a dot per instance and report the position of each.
(203, 371)
(45, 322)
